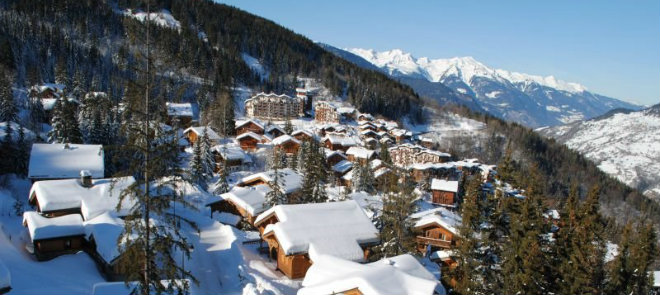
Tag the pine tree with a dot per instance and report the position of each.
(643, 251)
(395, 225)
(467, 276)
(222, 185)
(151, 232)
(8, 109)
(64, 123)
(197, 169)
(22, 153)
(275, 196)
(208, 159)
(619, 272)
(8, 151)
(385, 155)
(288, 127)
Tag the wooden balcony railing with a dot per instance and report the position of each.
(434, 242)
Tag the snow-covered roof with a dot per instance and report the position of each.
(61, 194)
(230, 152)
(272, 127)
(343, 166)
(249, 134)
(56, 161)
(330, 153)
(372, 205)
(346, 110)
(105, 229)
(381, 171)
(285, 138)
(289, 180)
(444, 185)
(336, 228)
(552, 214)
(253, 121)
(28, 134)
(251, 198)
(340, 139)
(441, 216)
(367, 116)
(199, 130)
(180, 109)
(5, 276)
(303, 131)
(401, 274)
(41, 228)
(656, 279)
(377, 163)
(360, 152)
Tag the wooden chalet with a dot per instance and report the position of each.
(248, 141)
(360, 154)
(444, 192)
(338, 142)
(401, 274)
(187, 114)
(437, 228)
(303, 135)
(274, 131)
(193, 133)
(365, 117)
(101, 235)
(289, 181)
(247, 202)
(286, 144)
(51, 237)
(299, 234)
(250, 126)
(232, 156)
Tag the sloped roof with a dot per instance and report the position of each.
(290, 180)
(336, 228)
(105, 229)
(441, 216)
(401, 274)
(249, 134)
(252, 199)
(444, 185)
(360, 152)
(41, 228)
(55, 161)
(199, 130)
(285, 138)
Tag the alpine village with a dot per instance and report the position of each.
(189, 147)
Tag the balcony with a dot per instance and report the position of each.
(434, 242)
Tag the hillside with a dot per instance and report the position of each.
(625, 145)
(530, 100)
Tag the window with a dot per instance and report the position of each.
(67, 244)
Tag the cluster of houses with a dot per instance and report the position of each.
(327, 244)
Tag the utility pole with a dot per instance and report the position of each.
(147, 250)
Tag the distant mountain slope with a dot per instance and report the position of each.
(433, 90)
(527, 99)
(625, 145)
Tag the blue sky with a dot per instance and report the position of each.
(611, 47)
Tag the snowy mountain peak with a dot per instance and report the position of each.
(464, 68)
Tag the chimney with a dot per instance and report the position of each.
(86, 178)
(66, 146)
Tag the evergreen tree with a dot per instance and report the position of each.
(7, 149)
(208, 159)
(22, 153)
(385, 155)
(467, 276)
(288, 127)
(395, 225)
(619, 273)
(313, 172)
(276, 196)
(643, 251)
(8, 109)
(222, 185)
(197, 169)
(64, 123)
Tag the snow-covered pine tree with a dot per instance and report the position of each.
(394, 225)
(151, 154)
(7, 148)
(8, 109)
(468, 279)
(208, 159)
(196, 166)
(222, 185)
(288, 127)
(22, 153)
(356, 179)
(276, 196)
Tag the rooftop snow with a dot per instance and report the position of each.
(290, 181)
(336, 229)
(401, 274)
(105, 229)
(230, 152)
(360, 152)
(342, 166)
(63, 194)
(249, 134)
(180, 109)
(252, 199)
(340, 139)
(441, 216)
(444, 185)
(55, 161)
(200, 132)
(285, 138)
(253, 121)
(41, 228)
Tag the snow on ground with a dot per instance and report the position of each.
(163, 18)
(255, 65)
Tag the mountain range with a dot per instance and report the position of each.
(624, 144)
(531, 100)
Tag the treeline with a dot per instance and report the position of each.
(94, 41)
(558, 166)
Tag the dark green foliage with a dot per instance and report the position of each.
(64, 122)
(394, 223)
(467, 276)
(313, 170)
(8, 109)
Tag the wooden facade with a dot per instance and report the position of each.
(288, 147)
(248, 143)
(435, 235)
(230, 207)
(443, 197)
(249, 126)
(47, 249)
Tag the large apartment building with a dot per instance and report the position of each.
(274, 107)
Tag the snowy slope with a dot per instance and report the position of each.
(527, 99)
(625, 145)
